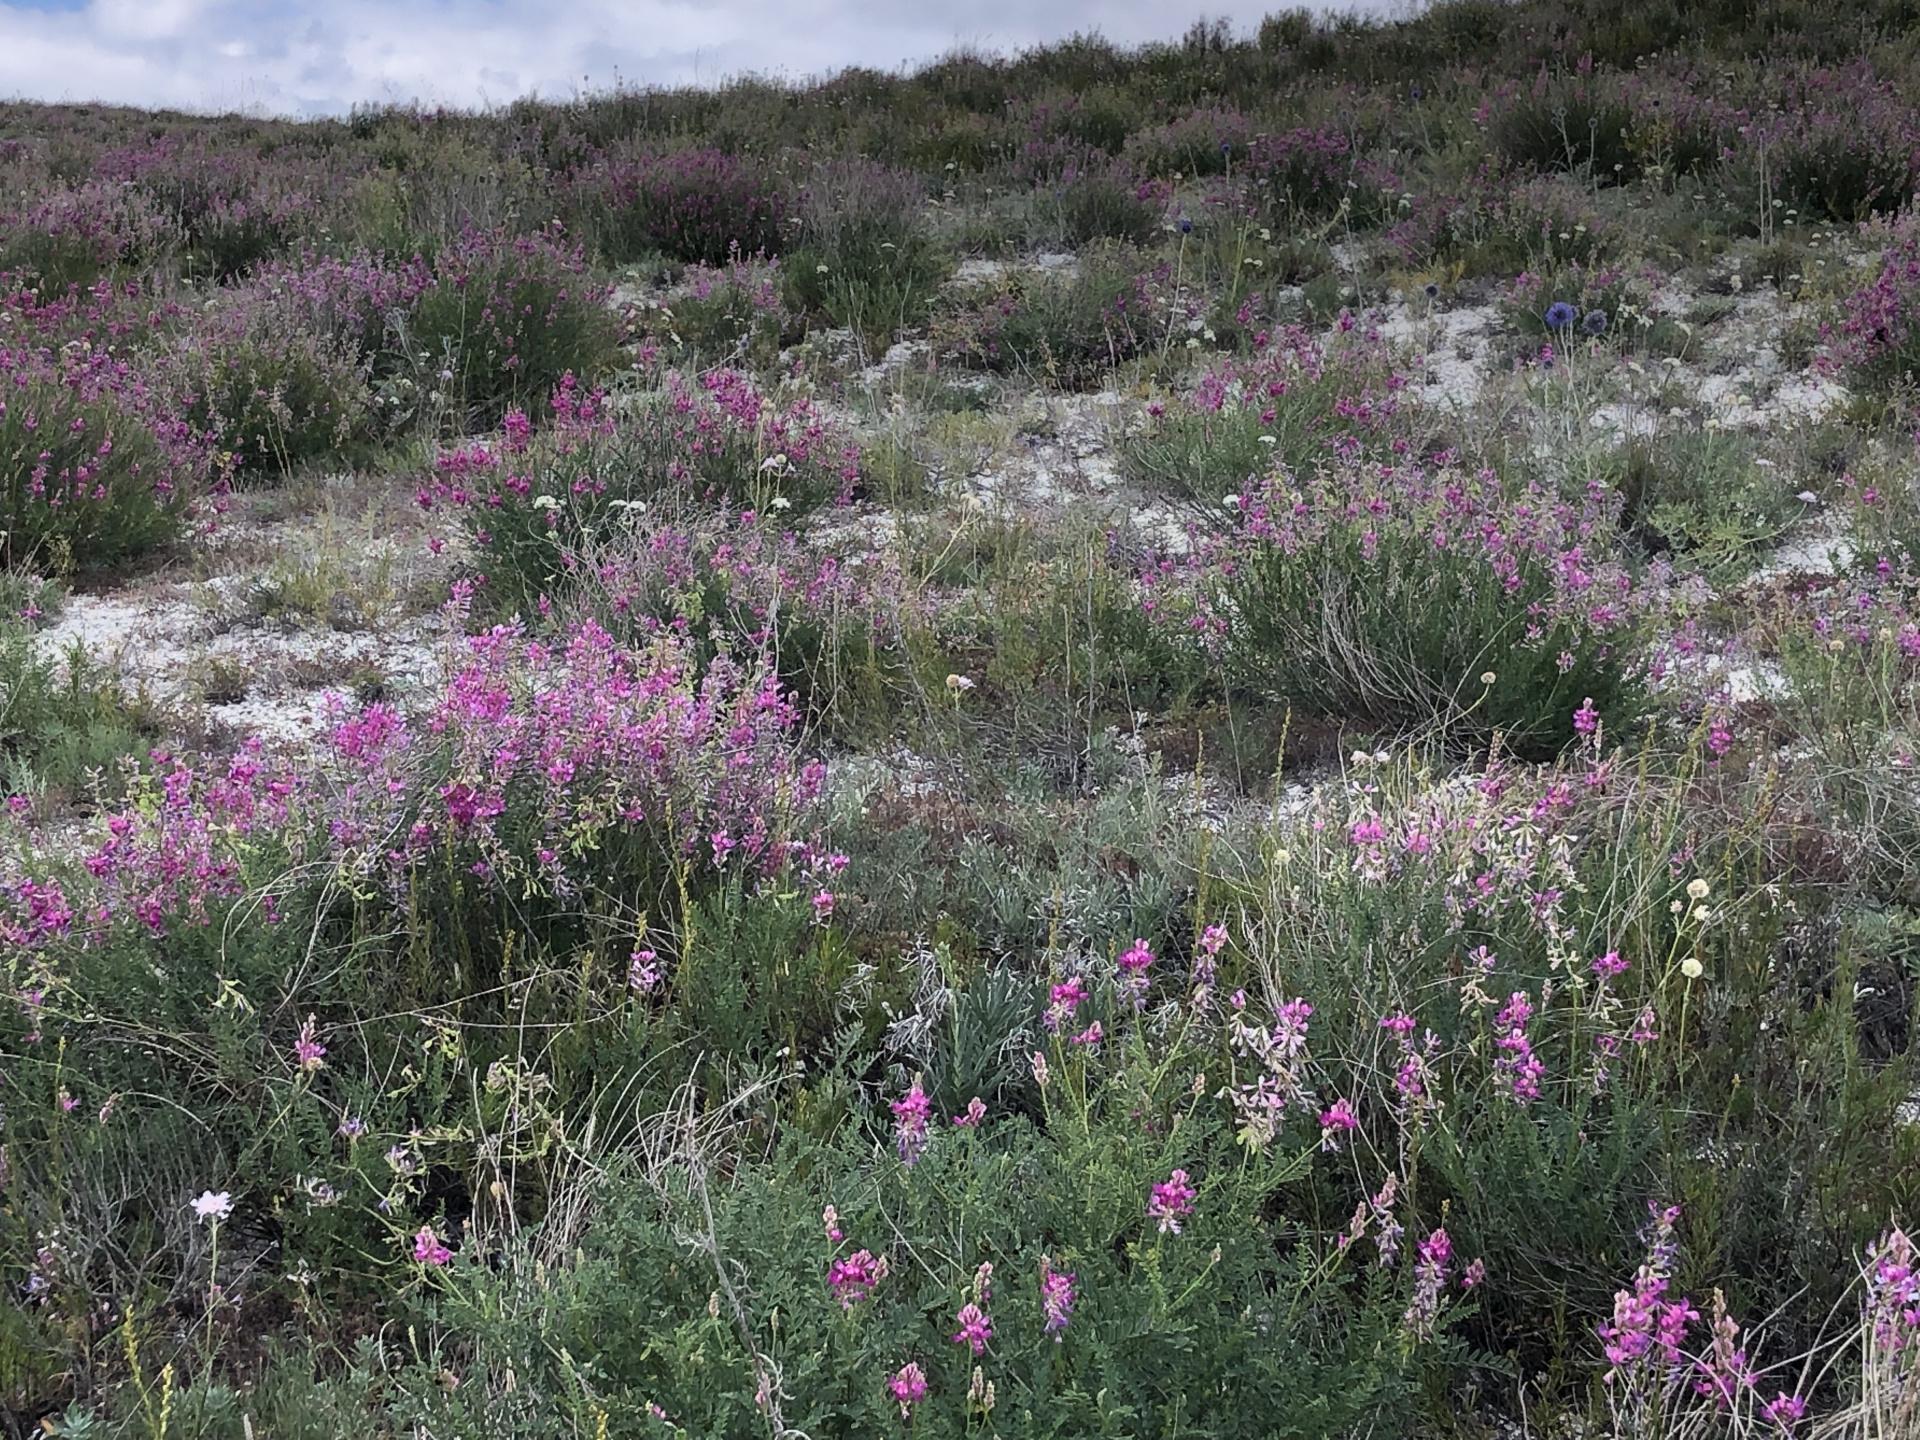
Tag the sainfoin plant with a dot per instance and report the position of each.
(699, 205)
(1413, 593)
(541, 508)
(92, 467)
(559, 769)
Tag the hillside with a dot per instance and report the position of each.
(1207, 741)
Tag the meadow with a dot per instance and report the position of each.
(1208, 741)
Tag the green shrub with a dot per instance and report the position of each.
(501, 321)
(700, 206)
(1569, 124)
(1701, 497)
(864, 259)
(84, 481)
(726, 317)
(1400, 633)
(274, 396)
(72, 237)
(1407, 598)
(1087, 209)
(1715, 1057)
(64, 720)
(1248, 416)
(1240, 1322)
(537, 508)
(1071, 330)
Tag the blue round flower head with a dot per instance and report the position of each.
(1595, 323)
(1560, 315)
(1430, 290)
(1225, 146)
(1186, 227)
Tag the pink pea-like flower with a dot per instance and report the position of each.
(855, 1277)
(1056, 1298)
(975, 1329)
(1335, 1121)
(1062, 1001)
(1170, 1201)
(307, 1050)
(427, 1248)
(1609, 966)
(908, 1387)
(910, 1123)
(975, 1113)
(1784, 1411)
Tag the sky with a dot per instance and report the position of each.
(322, 57)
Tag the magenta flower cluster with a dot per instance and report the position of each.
(1171, 1201)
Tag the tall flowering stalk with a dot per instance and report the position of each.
(1890, 1330)
(976, 1326)
(1517, 1068)
(1651, 1374)
(910, 1115)
(1435, 1254)
(1056, 1298)
(1278, 1058)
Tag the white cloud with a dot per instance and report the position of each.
(304, 57)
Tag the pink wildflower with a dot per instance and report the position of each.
(427, 1248)
(975, 1328)
(1064, 999)
(1171, 1200)
(1518, 1065)
(1429, 1279)
(1133, 973)
(1784, 1411)
(908, 1387)
(855, 1277)
(1335, 1121)
(1056, 1298)
(910, 1123)
(307, 1050)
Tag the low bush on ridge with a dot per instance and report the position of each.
(90, 473)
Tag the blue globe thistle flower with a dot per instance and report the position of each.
(1186, 226)
(1595, 322)
(1560, 315)
(1430, 290)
